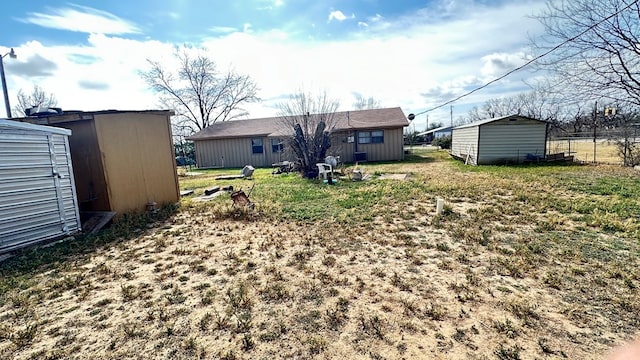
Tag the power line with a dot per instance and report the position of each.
(530, 61)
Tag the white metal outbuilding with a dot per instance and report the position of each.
(503, 140)
(37, 191)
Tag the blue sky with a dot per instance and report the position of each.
(413, 54)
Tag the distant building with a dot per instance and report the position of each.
(363, 135)
(501, 140)
(436, 133)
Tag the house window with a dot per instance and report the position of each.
(256, 146)
(277, 145)
(371, 137)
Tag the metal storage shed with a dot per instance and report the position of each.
(502, 140)
(37, 191)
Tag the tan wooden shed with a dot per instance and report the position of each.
(123, 160)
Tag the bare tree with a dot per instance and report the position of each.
(599, 56)
(311, 119)
(37, 97)
(198, 92)
(363, 103)
(537, 103)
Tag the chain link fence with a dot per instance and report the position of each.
(607, 147)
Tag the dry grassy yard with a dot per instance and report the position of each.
(532, 262)
(582, 150)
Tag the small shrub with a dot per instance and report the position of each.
(444, 142)
(205, 321)
(247, 342)
(506, 327)
(129, 292)
(508, 353)
(372, 325)
(435, 312)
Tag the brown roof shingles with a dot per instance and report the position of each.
(273, 126)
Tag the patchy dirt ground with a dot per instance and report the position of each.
(476, 283)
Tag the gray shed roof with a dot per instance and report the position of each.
(487, 121)
(26, 126)
(273, 126)
(441, 128)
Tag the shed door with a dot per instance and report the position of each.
(37, 198)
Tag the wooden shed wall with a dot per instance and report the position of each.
(91, 186)
(510, 141)
(138, 159)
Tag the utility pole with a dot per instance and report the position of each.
(595, 119)
(451, 114)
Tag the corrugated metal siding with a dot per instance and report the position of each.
(37, 190)
(391, 149)
(464, 143)
(340, 145)
(505, 141)
(237, 152)
(232, 153)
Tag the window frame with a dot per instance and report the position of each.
(278, 147)
(377, 139)
(255, 146)
(371, 137)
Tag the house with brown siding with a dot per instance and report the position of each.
(362, 135)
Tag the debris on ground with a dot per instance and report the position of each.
(186, 192)
(214, 192)
(358, 173)
(241, 199)
(394, 177)
(215, 189)
(245, 173)
(283, 167)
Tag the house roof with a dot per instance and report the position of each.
(441, 128)
(273, 126)
(487, 121)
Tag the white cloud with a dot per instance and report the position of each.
(222, 29)
(375, 18)
(415, 61)
(337, 15)
(82, 19)
(362, 24)
(497, 64)
(270, 4)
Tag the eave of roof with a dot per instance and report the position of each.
(33, 127)
(274, 126)
(74, 115)
(442, 128)
(487, 121)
